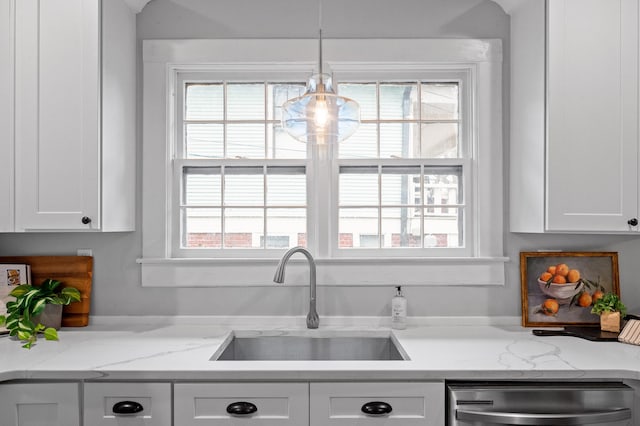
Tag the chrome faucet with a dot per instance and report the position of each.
(313, 320)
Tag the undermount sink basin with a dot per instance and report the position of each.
(309, 346)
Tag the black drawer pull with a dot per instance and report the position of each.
(241, 408)
(376, 408)
(127, 407)
(86, 220)
(633, 221)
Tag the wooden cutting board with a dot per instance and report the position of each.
(74, 271)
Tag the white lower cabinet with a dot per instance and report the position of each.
(381, 403)
(39, 404)
(127, 404)
(250, 404)
(223, 404)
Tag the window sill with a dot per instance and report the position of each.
(175, 273)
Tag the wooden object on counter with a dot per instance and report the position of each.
(74, 271)
(610, 321)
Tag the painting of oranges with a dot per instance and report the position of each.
(560, 288)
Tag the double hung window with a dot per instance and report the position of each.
(411, 183)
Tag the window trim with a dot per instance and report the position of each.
(161, 58)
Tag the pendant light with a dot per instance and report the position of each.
(320, 116)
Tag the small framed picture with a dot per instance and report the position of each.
(14, 274)
(559, 288)
(11, 276)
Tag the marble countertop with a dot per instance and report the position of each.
(180, 351)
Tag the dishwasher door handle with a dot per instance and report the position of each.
(510, 418)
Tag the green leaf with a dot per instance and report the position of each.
(28, 297)
(24, 335)
(30, 341)
(26, 324)
(3, 320)
(12, 323)
(38, 307)
(50, 284)
(50, 334)
(20, 290)
(71, 294)
(57, 300)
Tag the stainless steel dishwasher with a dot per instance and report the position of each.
(539, 403)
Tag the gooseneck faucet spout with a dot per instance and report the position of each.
(313, 320)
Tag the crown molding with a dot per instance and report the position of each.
(137, 5)
(510, 5)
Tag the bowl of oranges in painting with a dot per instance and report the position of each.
(561, 283)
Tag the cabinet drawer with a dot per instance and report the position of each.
(103, 401)
(276, 404)
(410, 403)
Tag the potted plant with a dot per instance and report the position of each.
(611, 311)
(25, 317)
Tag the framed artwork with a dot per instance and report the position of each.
(559, 288)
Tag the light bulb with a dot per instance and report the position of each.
(321, 115)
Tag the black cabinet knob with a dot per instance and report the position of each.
(376, 408)
(127, 407)
(241, 408)
(86, 220)
(633, 221)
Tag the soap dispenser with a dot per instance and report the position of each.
(399, 310)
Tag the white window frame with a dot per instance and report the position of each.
(481, 59)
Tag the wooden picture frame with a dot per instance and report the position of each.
(548, 302)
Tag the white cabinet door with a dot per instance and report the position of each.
(592, 106)
(123, 404)
(6, 114)
(39, 404)
(75, 89)
(254, 404)
(57, 130)
(393, 403)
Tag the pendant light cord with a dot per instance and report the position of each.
(320, 38)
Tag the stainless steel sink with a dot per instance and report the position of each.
(334, 346)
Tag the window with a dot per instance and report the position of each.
(408, 188)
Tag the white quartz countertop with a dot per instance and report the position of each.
(158, 351)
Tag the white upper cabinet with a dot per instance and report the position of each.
(6, 115)
(575, 169)
(592, 100)
(74, 115)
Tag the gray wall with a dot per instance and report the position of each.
(117, 289)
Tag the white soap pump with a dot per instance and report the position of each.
(399, 310)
